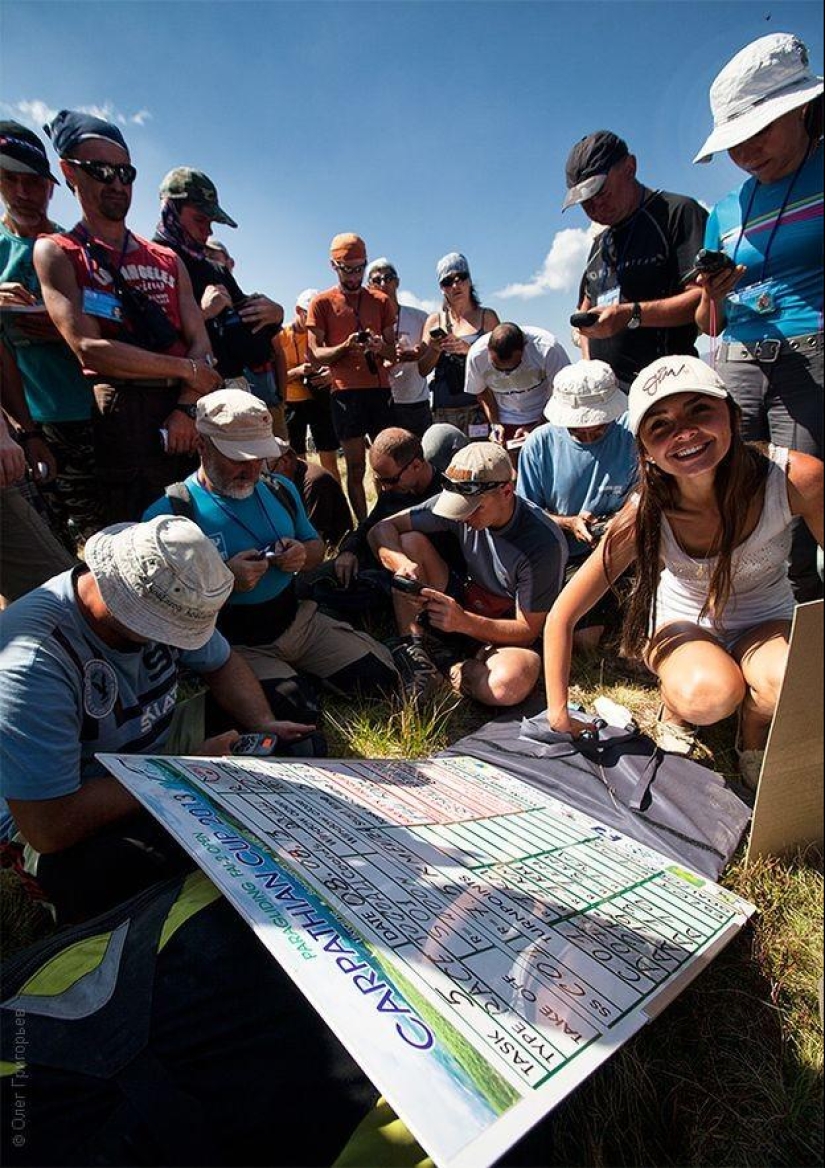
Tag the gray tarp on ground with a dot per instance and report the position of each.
(667, 802)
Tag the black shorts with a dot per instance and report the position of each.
(360, 412)
(315, 414)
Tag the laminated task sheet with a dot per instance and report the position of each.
(478, 946)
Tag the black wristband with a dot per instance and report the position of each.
(190, 409)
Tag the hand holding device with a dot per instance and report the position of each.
(406, 584)
(258, 745)
(708, 263)
(582, 320)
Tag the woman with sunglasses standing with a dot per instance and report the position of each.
(709, 530)
(449, 334)
(767, 112)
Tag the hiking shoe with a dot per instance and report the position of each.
(750, 766)
(419, 678)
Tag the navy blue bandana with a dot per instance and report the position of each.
(71, 127)
(171, 231)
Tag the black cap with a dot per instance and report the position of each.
(22, 151)
(588, 163)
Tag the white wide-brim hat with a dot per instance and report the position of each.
(767, 79)
(162, 579)
(585, 394)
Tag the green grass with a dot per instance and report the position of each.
(732, 1072)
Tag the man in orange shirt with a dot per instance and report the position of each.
(351, 330)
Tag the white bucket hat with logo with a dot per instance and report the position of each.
(666, 376)
(238, 424)
(473, 471)
(768, 78)
(163, 579)
(585, 394)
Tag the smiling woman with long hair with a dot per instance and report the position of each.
(709, 530)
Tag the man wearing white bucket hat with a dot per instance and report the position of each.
(90, 664)
(580, 468)
(767, 113)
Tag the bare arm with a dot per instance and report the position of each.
(385, 543)
(237, 690)
(448, 616)
(587, 587)
(667, 313)
(50, 825)
(805, 491)
(63, 299)
(429, 358)
(324, 354)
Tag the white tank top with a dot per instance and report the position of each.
(760, 589)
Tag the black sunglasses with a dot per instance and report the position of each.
(467, 486)
(392, 480)
(106, 172)
(451, 281)
(350, 269)
(382, 279)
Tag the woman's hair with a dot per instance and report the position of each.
(475, 299)
(740, 476)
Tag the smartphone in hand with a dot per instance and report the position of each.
(405, 584)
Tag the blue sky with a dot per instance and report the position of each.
(426, 127)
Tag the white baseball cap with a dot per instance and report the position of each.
(304, 298)
(163, 579)
(666, 376)
(768, 78)
(585, 394)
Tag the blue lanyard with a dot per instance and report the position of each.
(776, 222)
(609, 234)
(258, 541)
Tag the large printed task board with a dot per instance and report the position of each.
(478, 946)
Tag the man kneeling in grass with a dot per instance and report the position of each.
(480, 625)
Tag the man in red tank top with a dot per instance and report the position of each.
(125, 308)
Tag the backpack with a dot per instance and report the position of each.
(163, 1033)
(180, 498)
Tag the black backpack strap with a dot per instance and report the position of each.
(281, 493)
(180, 500)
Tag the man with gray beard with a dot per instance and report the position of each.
(262, 530)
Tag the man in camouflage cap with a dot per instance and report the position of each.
(241, 328)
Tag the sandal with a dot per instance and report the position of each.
(675, 737)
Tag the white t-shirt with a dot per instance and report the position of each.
(406, 383)
(522, 394)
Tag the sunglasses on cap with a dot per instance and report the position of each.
(350, 269)
(451, 281)
(393, 480)
(467, 486)
(106, 172)
(383, 279)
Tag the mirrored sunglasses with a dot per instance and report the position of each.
(467, 486)
(106, 172)
(350, 269)
(383, 279)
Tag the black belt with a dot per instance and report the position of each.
(768, 349)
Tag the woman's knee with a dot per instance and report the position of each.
(705, 694)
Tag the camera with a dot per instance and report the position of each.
(271, 551)
(708, 263)
(255, 744)
(598, 525)
(362, 336)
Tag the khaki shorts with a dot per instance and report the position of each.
(314, 643)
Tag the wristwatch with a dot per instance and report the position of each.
(635, 316)
(191, 410)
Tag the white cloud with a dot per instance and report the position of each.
(561, 270)
(38, 112)
(413, 301)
